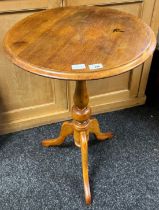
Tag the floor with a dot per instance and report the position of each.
(124, 171)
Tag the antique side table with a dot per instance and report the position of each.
(79, 43)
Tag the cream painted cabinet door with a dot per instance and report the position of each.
(119, 91)
(26, 100)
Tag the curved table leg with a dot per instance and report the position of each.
(94, 128)
(84, 154)
(66, 129)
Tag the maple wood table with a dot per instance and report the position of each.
(80, 43)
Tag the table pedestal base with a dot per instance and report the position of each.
(80, 128)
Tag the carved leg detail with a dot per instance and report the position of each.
(84, 154)
(80, 127)
(94, 128)
(66, 129)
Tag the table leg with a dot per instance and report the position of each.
(94, 128)
(84, 157)
(66, 129)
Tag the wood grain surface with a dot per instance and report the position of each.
(80, 127)
(48, 43)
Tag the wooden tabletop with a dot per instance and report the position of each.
(79, 43)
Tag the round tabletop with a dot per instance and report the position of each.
(79, 43)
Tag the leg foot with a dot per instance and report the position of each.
(94, 128)
(66, 129)
(84, 154)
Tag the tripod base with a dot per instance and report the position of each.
(81, 137)
(81, 126)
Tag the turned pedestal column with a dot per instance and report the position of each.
(80, 127)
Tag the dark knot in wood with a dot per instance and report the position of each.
(118, 30)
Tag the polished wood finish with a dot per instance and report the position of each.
(76, 35)
(66, 129)
(84, 152)
(80, 128)
(80, 35)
